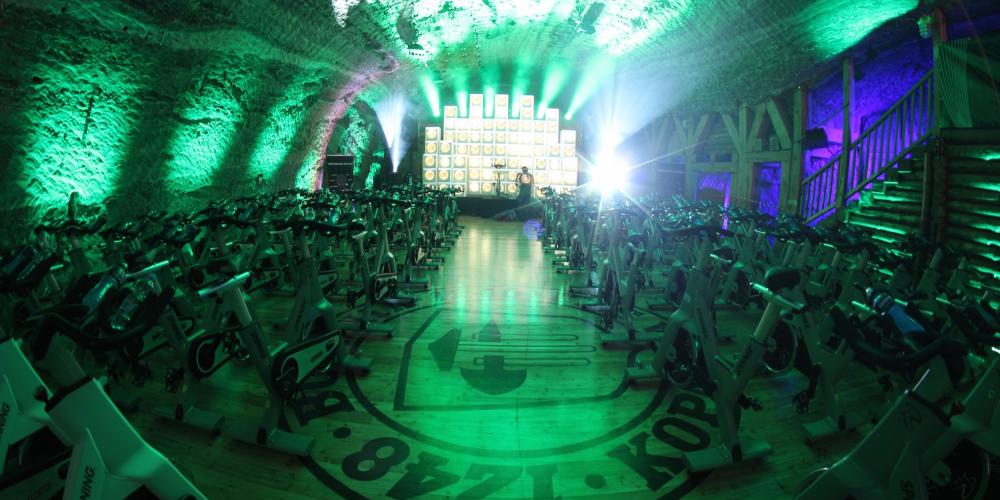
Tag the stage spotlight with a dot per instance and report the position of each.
(609, 174)
(390, 112)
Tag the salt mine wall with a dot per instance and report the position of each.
(97, 98)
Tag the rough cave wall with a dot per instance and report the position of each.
(99, 100)
(359, 134)
(881, 78)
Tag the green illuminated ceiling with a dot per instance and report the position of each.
(700, 54)
(705, 53)
(164, 98)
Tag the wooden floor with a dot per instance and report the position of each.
(495, 384)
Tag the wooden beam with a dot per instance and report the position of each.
(664, 129)
(780, 123)
(791, 173)
(734, 134)
(743, 178)
(845, 151)
(680, 129)
(769, 156)
(744, 118)
(939, 35)
(714, 167)
(700, 134)
(755, 133)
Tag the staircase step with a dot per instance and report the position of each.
(973, 166)
(981, 235)
(971, 135)
(898, 174)
(978, 212)
(893, 203)
(893, 226)
(971, 194)
(904, 185)
(888, 216)
(981, 152)
(896, 193)
(975, 181)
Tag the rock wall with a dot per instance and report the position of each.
(98, 98)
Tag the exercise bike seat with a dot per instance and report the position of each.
(781, 278)
(222, 267)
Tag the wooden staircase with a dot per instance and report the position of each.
(966, 196)
(961, 205)
(902, 176)
(890, 210)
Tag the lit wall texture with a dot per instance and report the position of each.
(135, 117)
(146, 104)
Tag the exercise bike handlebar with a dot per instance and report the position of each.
(777, 298)
(854, 246)
(147, 319)
(327, 228)
(798, 234)
(965, 315)
(147, 270)
(233, 282)
(866, 350)
(702, 229)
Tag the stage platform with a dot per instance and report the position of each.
(486, 207)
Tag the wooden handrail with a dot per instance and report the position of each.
(915, 119)
(892, 109)
(826, 166)
(868, 180)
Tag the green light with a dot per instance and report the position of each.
(625, 26)
(835, 29)
(555, 78)
(460, 82)
(373, 171)
(462, 96)
(593, 75)
(208, 125)
(69, 147)
(283, 121)
(490, 101)
(490, 77)
(523, 67)
(306, 175)
(355, 139)
(431, 91)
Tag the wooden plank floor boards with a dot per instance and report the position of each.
(495, 385)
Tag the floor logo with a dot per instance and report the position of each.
(508, 403)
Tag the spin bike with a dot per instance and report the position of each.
(91, 451)
(282, 369)
(677, 348)
(932, 441)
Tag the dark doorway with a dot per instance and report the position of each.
(767, 187)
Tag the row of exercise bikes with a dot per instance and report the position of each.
(94, 310)
(915, 322)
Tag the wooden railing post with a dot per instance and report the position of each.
(791, 183)
(939, 27)
(845, 148)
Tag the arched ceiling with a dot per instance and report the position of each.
(627, 61)
(643, 56)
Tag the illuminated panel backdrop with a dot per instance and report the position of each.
(464, 152)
